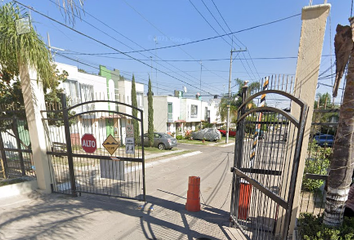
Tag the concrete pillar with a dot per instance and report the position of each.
(314, 20)
(33, 96)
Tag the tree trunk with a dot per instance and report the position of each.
(341, 168)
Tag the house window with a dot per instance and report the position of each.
(87, 95)
(139, 100)
(207, 114)
(71, 90)
(194, 111)
(86, 92)
(169, 112)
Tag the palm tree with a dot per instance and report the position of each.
(236, 100)
(341, 167)
(21, 51)
(72, 8)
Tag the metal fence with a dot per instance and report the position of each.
(15, 145)
(323, 130)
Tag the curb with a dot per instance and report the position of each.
(227, 145)
(18, 189)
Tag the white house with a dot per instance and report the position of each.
(119, 89)
(176, 115)
(82, 87)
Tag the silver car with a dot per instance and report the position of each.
(209, 134)
(161, 141)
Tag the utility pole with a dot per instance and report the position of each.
(157, 84)
(50, 48)
(229, 95)
(201, 70)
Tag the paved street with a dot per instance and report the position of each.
(163, 216)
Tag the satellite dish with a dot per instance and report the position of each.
(184, 89)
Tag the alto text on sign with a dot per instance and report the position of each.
(88, 143)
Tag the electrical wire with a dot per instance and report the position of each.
(226, 23)
(214, 28)
(236, 38)
(105, 33)
(168, 37)
(108, 46)
(216, 21)
(211, 38)
(94, 67)
(208, 22)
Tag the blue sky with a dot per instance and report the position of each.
(130, 25)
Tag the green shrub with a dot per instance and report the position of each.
(312, 228)
(317, 164)
(179, 137)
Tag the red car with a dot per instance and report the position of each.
(231, 133)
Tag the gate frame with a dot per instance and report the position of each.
(238, 173)
(70, 155)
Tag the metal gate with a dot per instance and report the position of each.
(91, 149)
(267, 152)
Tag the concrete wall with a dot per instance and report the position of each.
(314, 20)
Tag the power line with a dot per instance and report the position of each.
(164, 35)
(70, 52)
(178, 73)
(229, 36)
(249, 54)
(212, 38)
(214, 28)
(108, 46)
(216, 21)
(94, 67)
(226, 23)
(208, 22)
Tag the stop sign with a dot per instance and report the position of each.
(88, 143)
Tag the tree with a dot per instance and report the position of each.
(20, 51)
(236, 100)
(323, 102)
(135, 111)
(342, 161)
(72, 9)
(150, 116)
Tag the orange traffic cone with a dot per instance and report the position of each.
(193, 199)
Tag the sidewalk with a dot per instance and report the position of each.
(55, 216)
(162, 216)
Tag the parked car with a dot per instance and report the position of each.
(324, 139)
(161, 140)
(231, 133)
(209, 134)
